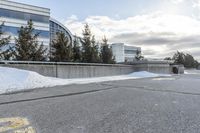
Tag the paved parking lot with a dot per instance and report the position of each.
(153, 105)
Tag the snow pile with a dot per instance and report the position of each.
(12, 79)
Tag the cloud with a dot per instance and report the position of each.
(158, 34)
(176, 1)
(196, 3)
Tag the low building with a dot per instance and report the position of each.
(124, 53)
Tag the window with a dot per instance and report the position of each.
(14, 31)
(23, 15)
(130, 51)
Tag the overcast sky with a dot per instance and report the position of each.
(160, 27)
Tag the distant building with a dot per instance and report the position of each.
(124, 53)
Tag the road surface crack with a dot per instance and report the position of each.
(56, 96)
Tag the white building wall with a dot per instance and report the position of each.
(118, 52)
(124, 53)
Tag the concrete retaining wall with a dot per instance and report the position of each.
(154, 68)
(162, 67)
(79, 71)
(46, 70)
(71, 70)
(84, 70)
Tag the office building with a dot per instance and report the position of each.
(124, 53)
(13, 15)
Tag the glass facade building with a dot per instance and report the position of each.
(55, 27)
(13, 31)
(13, 15)
(23, 15)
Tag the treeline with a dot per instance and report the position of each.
(28, 48)
(185, 59)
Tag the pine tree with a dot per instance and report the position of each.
(185, 59)
(76, 50)
(95, 58)
(4, 54)
(7, 54)
(27, 47)
(168, 58)
(86, 44)
(106, 52)
(179, 58)
(90, 53)
(61, 48)
(138, 55)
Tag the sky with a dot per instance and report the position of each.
(159, 27)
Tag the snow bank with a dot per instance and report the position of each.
(12, 79)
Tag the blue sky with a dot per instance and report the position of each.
(84, 8)
(160, 27)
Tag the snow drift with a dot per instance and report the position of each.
(12, 79)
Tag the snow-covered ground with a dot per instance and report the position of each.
(192, 71)
(12, 79)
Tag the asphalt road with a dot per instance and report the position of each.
(153, 105)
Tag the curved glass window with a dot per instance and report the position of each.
(54, 28)
(14, 31)
(23, 15)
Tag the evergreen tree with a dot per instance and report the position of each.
(86, 44)
(185, 59)
(76, 50)
(95, 58)
(179, 58)
(7, 54)
(90, 53)
(27, 47)
(138, 55)
(168, 58)
(4, 41)
(106, 52)
(61, 48)
(189, 61)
